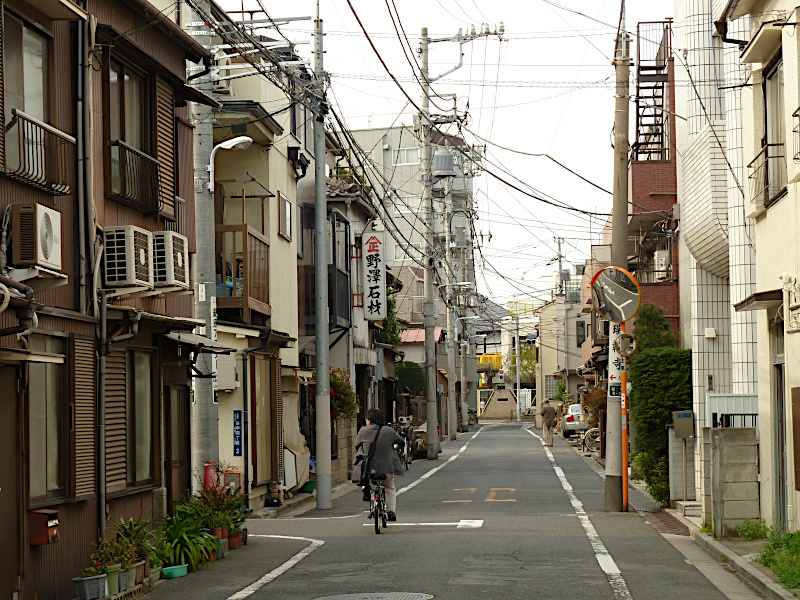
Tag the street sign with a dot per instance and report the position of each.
(615, 389)
(616, 294)
(374, 263)
(237, 433)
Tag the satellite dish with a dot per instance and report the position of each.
(616, 294)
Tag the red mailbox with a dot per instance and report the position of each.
(44, 527)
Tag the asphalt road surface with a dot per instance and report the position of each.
(496, 516)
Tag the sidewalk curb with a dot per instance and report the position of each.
(760, 581)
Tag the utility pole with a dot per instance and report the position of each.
(432, 437)
(560, 273)
(519, 372)
(204, 414)
(615, 495)
(452, 411)
(322, 359)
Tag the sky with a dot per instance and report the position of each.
(546, 87)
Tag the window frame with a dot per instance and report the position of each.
(580, 333)
(285, 212)
(65, 432)
(131, 482)
(775, 67)
(396, 156)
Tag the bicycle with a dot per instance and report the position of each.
(377, 501)
(405, 452)
(590, 440)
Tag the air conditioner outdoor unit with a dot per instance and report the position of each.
(128, 256)
(170, 259)
(224, 86)
(661, 260)
(36, 236)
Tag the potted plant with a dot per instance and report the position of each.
(137, 532)
(155, 567)
(185, 539)
(91, 583)
(115, 554)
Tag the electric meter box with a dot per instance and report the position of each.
(44, 527)
(683, 422)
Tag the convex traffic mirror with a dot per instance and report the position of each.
(615, 294)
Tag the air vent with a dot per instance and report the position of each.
(128, 257)
(170, 259)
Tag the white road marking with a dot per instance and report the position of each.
(280, 570)
(604, 559)
(462, 524)
(444, 464)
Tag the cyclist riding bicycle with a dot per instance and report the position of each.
(385, 460)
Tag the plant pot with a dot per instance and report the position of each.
(217, 532)
(137, 572)
(126, 576)
(91, 588)
(113, 579)
(173, 572)
(145, 556)
(235, 540)
(225, 532)
(155, 574)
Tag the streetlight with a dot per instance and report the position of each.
(241, 142)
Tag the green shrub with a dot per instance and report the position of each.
(782, 555)
(184, 539)
(661, 382)
(753, 530)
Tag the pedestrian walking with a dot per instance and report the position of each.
(385, 459)
(548, 414)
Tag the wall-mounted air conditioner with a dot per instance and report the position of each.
(170, 259)
(661, 261)
(36, 232)
(128, 257)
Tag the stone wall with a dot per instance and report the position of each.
(734, 479)
(705, 475)
(344, 430)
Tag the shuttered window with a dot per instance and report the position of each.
(277, 423)
(165, 147)
(84, 420)
(2, 93)
(261, 421)
(116, 431)
(140, 419)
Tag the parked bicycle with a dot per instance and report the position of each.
(407, 434)
(590, 440)
(377, 501)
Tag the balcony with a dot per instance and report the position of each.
(767, 175)
(242, 259)
(134, 178)
(39, 155)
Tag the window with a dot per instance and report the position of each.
(301, 248)
(25, 71)
(405, 156)
(775, 129)
(47, 423)
(407, 204)
(400, 253)
(580, 332)
(125, 116)
(550, 387)
(140, 417)
(284, 216)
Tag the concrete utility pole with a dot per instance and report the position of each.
(204, 414)
(614, 498)
(432, 437)
(322, 359)
(519, 373)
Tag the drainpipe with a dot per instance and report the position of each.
(80, 117)
(246, 412)
(103, 351)
(27, 315)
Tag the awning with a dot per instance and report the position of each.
(182, 322)
(201, 342)
(765, 43)
(18, 355)
(760, 301)
(189, 93)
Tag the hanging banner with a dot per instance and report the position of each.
(373, 261)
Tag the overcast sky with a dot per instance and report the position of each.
(546, 88)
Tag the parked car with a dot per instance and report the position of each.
(571, 420)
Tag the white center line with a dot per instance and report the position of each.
(441, 466)
(462, 524)
(604, 559)
(280, 570)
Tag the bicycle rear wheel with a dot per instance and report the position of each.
(377, 512)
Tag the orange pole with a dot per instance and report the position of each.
(624, 406)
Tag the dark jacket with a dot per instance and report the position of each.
(386, 459)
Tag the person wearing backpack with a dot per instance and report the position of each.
(383, 459)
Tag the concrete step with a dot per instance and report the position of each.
(688, 508)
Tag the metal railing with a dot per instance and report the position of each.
(39, 155)
(767, 174)
(134, 178)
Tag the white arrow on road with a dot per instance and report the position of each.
(462, 524)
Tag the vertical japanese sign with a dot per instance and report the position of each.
(373, 260)
(237, 433)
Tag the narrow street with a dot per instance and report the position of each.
(494, 517)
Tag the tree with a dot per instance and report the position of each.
(527, 364)
(412, 376)
(390, 334)
(652, 330)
